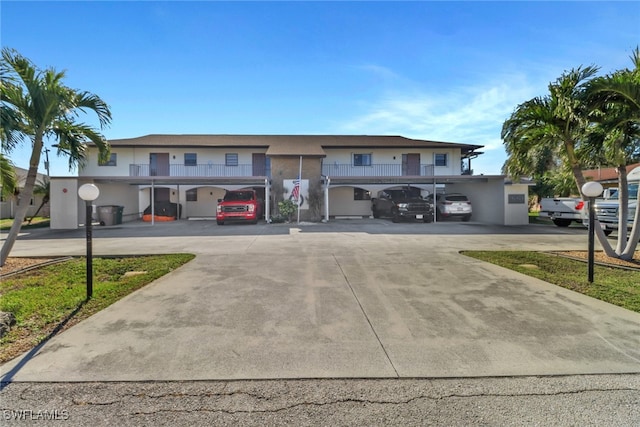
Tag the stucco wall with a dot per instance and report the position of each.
(341, 202)
(140, 155)
(65, 204)
(287, 167)
(206, 204)
(119, 195)
(487, 199)
(516, 213)
(393, 156)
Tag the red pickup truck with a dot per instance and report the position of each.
(239, 205)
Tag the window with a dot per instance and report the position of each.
(441, 159)
(361, 194)
(190, 159)
(192, 195)
(113, 161)
(231, 159)
(361, 159)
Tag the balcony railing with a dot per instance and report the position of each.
(346, 169)
(199, 171)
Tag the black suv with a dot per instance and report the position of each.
(401, 204)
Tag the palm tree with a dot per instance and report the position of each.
(43, 188)
(37, 106)
(8, 178)
(554, 124)
(615, 101)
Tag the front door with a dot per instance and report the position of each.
(159, 164)
(411, 164)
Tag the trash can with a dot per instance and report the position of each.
(119, 210)
(110, 215)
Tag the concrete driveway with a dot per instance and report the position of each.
(347, 299)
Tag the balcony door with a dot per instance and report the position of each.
(411, 164)
(259, 164)
(159, 164)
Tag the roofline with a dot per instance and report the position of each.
(134, 141)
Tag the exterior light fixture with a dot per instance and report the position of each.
(591, 190)
(88, 193)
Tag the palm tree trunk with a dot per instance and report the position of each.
(44, 202)
(632, 243)
(26, 194)
(623, 214)
(580, 181)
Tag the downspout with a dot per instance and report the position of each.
(153, 204)
(178, 207)
(433, 168)
(326, 200)
(267, 200)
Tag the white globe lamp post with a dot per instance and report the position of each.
(88, 193)
(591, 190)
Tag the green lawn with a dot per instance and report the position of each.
(38, 222)
(613, 285)
(47, 297)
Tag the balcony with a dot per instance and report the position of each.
(376, 170)
(198, 171)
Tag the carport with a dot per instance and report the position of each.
(494, 200)
(67, 209)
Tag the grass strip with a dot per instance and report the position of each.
(613, 285)
(44, 298)
(37, 222)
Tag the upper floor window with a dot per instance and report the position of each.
(231, 159)
(441, 159)
(113, 161)
(362, 159)
(190, 159)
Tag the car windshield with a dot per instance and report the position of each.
(238, 195)
(633, 192)
(456, 198)
(404, 194)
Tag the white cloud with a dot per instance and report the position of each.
(472, 115)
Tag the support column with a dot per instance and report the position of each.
(326, 199)
(267, 200)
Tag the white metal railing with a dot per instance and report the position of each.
(347, 169)
(203, 170)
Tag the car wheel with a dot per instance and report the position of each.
(220, 222)
(375, 213)
(428, 218)
(562, 222)
(466, 218)
(394, 216)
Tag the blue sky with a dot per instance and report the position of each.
(444, 71)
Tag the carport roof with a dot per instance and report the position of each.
(401, 180)
(253, 181)
(291, 145)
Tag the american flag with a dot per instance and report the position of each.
(295, 193)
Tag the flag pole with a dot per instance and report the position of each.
(299, 188)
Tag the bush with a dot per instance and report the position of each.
(287, 208)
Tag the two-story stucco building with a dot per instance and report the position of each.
(339, 175)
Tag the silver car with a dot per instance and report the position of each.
(452, 205)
